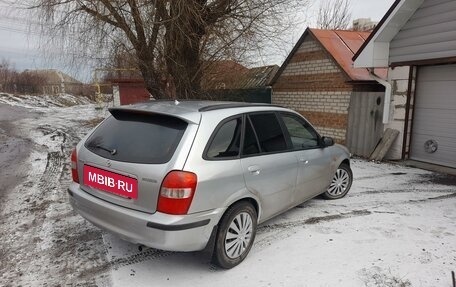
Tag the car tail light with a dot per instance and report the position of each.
(176, 192)
(74, 166)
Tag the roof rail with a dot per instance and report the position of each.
(234, 105)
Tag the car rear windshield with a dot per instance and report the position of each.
(137, 138)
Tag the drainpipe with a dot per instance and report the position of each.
(387, 85)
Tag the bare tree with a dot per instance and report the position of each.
(334, 14)
(12, 81)
(171, 40)
(7, 75)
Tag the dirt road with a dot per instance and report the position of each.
(14, 148)
(38, 243)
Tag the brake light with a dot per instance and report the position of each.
(74, 166)
(176, 192)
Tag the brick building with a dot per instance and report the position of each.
(318, 80)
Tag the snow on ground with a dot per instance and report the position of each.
(396, 227)
(43, 241)
(42, 101)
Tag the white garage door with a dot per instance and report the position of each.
(434, 123)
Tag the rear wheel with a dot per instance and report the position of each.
(235, 235)
(341, 183)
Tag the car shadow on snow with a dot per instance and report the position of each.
(437, 178)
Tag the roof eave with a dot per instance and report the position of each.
(374, 54)
(375, 51)
(363, 82)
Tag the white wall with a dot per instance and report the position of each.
(399, 78)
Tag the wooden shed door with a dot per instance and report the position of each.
(365, 127)
(434, 120)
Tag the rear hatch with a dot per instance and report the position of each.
(127, 156)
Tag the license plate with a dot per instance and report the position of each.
(110, 182)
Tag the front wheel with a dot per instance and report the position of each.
(340, 184)
(235, 235)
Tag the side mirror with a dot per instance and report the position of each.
(327, 141)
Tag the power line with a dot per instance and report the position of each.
(19, 30)
(37, 52)
(26, 21)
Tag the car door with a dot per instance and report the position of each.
(270, 171)
(313, 160)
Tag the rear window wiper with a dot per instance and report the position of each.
(111, 151)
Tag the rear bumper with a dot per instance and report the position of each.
(158, 230)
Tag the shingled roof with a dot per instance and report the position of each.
(228, 74)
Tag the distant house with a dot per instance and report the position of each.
(223, 74)
(228, 80)
(416, 40)
(318, 80)
(56, 82)
(364, 24)
(222, 80)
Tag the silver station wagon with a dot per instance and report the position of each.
(185, 176)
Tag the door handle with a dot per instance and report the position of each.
(303, 160)
(254, 169)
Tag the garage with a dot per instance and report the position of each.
(416, 39)
(433, 136)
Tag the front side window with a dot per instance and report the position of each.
(302, 135)
(269, 132)
(226, 142)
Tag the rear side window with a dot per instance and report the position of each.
(269, 132)
(137, 138)
(226, 142)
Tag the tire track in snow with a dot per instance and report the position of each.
(283, 230)
(59, 242)
(87, 239)
(441, 197)
(314, 220)
(269, 233)
(405, 190)
(146, 255)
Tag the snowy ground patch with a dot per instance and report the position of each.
(39, 245)
(396, 227)
(43, 101)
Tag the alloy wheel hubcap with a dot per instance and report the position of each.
(339, 183)
(238, 236)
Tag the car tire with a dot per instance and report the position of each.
(340, 184)
(235, 235)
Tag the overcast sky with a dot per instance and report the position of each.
(374, 9)
(21, 47)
